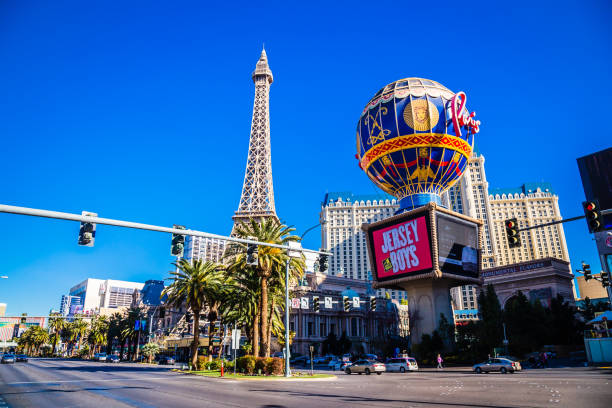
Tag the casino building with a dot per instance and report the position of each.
(532, 203)
(542, 280)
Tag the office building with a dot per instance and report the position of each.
(97, 293)
(205, 249)
(592, 289)
(66, 302)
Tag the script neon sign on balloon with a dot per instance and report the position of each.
(402, 248)
(461, 117)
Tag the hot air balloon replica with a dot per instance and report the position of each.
(414, 140)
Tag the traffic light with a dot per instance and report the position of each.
(315, 304)
(512, 233)
(322, 263)
(592, 213)
(586, 270)
(605, 279)
(346, 303)
(162, 313)
(251, 254)
(373, 303)
(87, 232)
(178, 242)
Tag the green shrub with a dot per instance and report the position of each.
(275, 366)
(213, 365)
(246, 364)
(202, 360)
(260, 365)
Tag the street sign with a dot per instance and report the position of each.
(294, 254)
(328, 302)
(304, 303)
(295, 303)
(355, 302)
(235, 339)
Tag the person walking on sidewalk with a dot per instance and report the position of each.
(440, 362)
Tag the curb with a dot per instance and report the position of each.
(332, 377)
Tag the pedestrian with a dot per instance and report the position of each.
(440, 362)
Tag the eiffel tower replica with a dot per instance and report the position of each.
(257, 199)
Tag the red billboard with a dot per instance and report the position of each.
(401, 248)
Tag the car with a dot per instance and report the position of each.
(401, 364)
(113, 359)
(302, 360)
(370, 357)
(279, 354)
(99, 357)
(8, 359)
(166, 360)
(366, 366)
(21, 358)
(339, 365)
(503, 365)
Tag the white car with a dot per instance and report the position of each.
(402, 364)
(338, 365)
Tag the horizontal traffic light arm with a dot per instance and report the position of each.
(603, 212)
(10, 209)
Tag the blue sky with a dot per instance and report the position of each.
(142, 112)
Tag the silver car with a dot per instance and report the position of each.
(366, 366)
(402, 364)
(503, 365)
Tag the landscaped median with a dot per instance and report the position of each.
(295, 376)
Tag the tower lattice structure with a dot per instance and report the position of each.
(257, 199)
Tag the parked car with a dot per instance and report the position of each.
(503, 365)
(339, 365)
(113, 359)
(366, 366)
(99, 357)
(166, 360)
(278, 354)
(302, 360)
(8, 359)
(401, 364)
(370, 357)
(21, 358)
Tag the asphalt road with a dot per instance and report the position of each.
(62, 383)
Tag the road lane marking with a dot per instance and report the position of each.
(78, 381)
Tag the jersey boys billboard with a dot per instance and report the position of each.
(403, 248)
(426, 242)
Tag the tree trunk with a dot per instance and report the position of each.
(256, 333)
(54, 344)
(196, 339)
(121, 348)
(264, 316)
(211, 328)
(269, 333)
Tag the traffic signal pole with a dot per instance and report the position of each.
(128, 224)
(603, 212)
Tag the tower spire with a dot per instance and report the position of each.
(257, 199)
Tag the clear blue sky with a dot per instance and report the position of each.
(141, 111)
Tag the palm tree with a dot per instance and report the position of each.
(196, 285)
(97, 333)
(56, 325)
(128, 330)
(269, 269)
(79, 330)
(113, 331)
